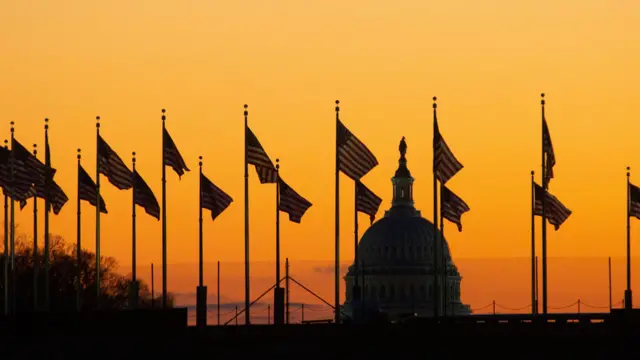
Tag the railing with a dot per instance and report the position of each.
(577, 305)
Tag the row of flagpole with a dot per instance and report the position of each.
(353, 159)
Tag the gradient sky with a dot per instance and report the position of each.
(487, 61)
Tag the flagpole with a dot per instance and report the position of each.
(200, 259)
(628, 296)
(47, 209)
(218, 294)
(78, 244)
(6, 248)
(153, 289)
(201, 291)
(443, 271)
(134, 278)
(362, 306)
(436, 307)
(337, 227)
(164, 217)
(247, 287)
(35, 243)
(610, 298)
(98, 205)
(356, 288)
(537, 288)
(13, 228)
(278, 296)
(534, 305)
(544, 217)
(277, 224)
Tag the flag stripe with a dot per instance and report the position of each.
(547, 148)
(366, 201)
(354, 158)
(257, 156)
(112, 166)
(445, 164)
(87, 189)
(57, 197)
(172, 157)
(144, 197)
(453, 207)
(634, 201)
(292, 203)
(212, 197)
(22, 180)
(26, 162)
(555, 211)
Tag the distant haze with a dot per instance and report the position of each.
(507, 281)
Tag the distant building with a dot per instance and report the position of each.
(397, 253)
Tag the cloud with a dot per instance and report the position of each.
(324, 269)
(329, 269)
(190, 297)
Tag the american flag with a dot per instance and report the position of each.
(555, 211)
(27, 162)
(22, 188)
(57, 197)
(35, 168)
(634, 201)
(87, 189)
(212, 197)
(547, 148)
(366, 201)
(257, 156)
(144, 196)
(452, 206)
(112, 166)
(445, 164)
(5, 171)
(291, 202)
(172, 157)
(354, 158)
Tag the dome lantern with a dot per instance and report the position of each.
(402, 182)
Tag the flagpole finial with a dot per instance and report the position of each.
(628, 171)
(79, 155)
(133, 157)
(246, 112)
(200, 159)
(277, 164)
(98, 121)
(532, 172)
(35, 149)
(46, 123)
(163, 115)
(434, 102)
(12, 128)
(542, 102)
(337, 105)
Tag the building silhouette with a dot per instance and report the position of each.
(396, 271)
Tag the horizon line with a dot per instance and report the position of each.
(459, 258)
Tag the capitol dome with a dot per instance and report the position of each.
(399, 241)
(395, 272)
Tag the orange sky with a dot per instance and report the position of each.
(289, 60)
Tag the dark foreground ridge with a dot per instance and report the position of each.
(157, 333)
